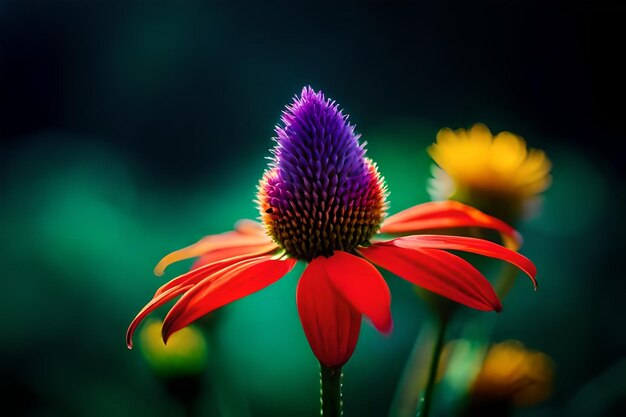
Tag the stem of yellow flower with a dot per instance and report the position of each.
(424, 406)
(331, 401)
(409, 388)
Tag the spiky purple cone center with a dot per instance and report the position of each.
(320, 193)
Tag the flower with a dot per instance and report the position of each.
(498, 175)
(322, 201)
(185, 354)
(513, 374)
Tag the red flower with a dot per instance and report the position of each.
(335, 291)
(322, 201)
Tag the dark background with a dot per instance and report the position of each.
(130, 129)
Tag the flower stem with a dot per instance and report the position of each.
(408, 393)
(424, 406)
(331, 401)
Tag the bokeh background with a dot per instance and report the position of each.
(130, 129)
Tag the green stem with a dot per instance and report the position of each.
(424, 408)
(408, 393)
(331, 401)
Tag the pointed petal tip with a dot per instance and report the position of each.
(165, 335)
(162, 265)
(129, 336)
(496, 305)
(387, 329)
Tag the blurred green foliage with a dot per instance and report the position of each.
(87, 227)
(138, 130)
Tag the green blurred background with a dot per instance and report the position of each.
(130, 129)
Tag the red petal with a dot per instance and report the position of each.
(250, 227)
(360, 283)
(223, 287)
(245, 235)
(444, 215)
(179, 285)
(226, 253)
(155, 303)
(198, 274)
(437, 271)
(469, 244)
(330, 323)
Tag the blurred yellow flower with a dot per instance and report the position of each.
(498, 175)
(511, 373)
(186, 352)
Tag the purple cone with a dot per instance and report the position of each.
(320, 194)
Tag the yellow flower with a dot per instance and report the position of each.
(186, 351)
(511, 373)
(498, 175)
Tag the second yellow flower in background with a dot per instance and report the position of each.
(497, 174)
